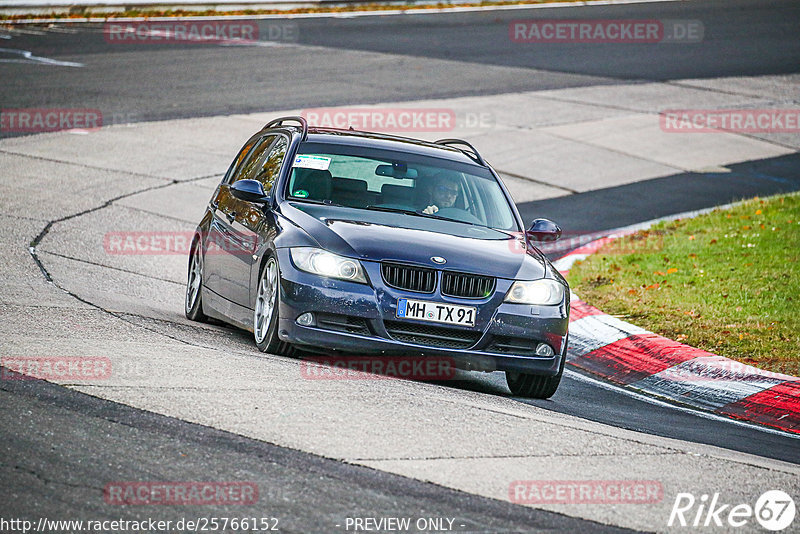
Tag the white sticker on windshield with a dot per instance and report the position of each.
(321, 163)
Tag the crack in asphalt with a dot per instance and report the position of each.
(45, 479)
(120, 269)
(639, 111)
(35, 242)
(715, 90)
(157, 214)
(32, 219)
(105, 169)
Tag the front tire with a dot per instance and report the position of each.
(193, 303)
(266, 316)
(535, 386)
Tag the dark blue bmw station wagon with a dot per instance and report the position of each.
(361, 243)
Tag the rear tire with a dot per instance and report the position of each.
(193, 303)
(266, 317)
(536, 386)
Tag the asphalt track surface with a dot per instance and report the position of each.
(436, 56)
(430, 56)
(55, 474)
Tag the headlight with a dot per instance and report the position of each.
(324, 263)
(543, 292)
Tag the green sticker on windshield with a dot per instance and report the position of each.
(301, 193)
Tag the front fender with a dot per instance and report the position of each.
(285, 235)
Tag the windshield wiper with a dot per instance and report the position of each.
(394, 210)
(325, 202)
(418, 214)
(434, 216)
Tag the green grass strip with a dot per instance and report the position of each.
(727, 282)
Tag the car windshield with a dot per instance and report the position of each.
(410, 184)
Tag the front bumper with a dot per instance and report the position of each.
(355, 319)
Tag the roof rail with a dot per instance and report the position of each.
(475, 155)
(280, 121)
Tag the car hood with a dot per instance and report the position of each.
(381, 236)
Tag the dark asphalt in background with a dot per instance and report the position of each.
(60, 448)
(741, 38)
(431, 56)
(615, 207)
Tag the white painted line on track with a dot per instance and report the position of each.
(28, 57)
(652, 400)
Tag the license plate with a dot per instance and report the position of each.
(436, 312)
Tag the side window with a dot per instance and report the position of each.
(252, 163)
(238, 160)
(271, 168)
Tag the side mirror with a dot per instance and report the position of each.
(250, 191)
(544, 230)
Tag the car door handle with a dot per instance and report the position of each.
(231, 216)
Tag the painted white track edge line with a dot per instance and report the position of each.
(575, 375)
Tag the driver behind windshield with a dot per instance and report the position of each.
(443, 193)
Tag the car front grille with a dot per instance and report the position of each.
(471, 286)
(423, 280)
(434, 336)
(409, 278)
